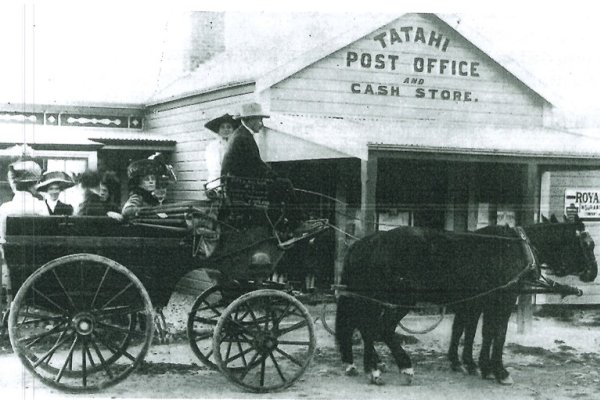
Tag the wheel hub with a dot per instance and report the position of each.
(83, 323)
(265, 343)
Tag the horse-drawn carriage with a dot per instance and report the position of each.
(89, 287)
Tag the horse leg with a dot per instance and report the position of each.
(370, 357)
(458, 326)
(471, 320)
(344, 329)
(394, 342)
(487, 334)
(500, 373)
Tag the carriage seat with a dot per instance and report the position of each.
(59, 225)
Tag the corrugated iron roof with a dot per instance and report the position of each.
(57, 136)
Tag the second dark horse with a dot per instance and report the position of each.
(388, 272)
(565, 248)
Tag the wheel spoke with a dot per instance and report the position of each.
(35, 338)
(241, 355)
(294, 342)
(276, 364)
(118, 294)
(297, 325)
(83, 364)
(67, 361)
(228, 349)
(64, 290)
(99, 286)
(89, 355)
(262, 372)
(242, 327)
(50, 352)
(101, 358)
(205, 334)
(238, 338)
(251, 313)
(119, 310)
(120, 329)
(249, 366)
(289, 357)
(62, 335)
(283, 314)
(112, 349)
(61, 309)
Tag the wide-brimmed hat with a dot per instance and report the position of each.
(251, 110)
(215, 123)
(62, 179)
(24, 171)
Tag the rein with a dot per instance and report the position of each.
(532, 265)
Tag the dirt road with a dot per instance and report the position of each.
(558, 359)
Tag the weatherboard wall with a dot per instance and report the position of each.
(415, 68)
(183, 120)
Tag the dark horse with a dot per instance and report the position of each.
(565, 248)
(388, 272)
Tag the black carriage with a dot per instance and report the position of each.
(87, 289)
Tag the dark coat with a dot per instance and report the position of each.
(93, 205)
(242, 157)
(61, 209)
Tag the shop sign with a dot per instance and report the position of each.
(583, 202)
(415, 78)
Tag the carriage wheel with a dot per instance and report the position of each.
(201, 323)
(73, 323)
(264, 341)
(328, 317)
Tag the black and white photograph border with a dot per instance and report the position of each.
(406, 167)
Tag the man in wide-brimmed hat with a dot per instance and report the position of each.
(223, 126)
(23, 176)
(52, 184)
(242, 157)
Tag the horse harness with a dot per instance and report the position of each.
(521, 279)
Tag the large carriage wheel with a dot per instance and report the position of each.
(203, 318)
(73, 323)
(264, 341)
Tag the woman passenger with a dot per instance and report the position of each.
(142, 176)
(52, 184)
(100, 193)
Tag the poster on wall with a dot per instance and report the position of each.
(583, 202)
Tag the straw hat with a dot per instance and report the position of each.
(215, 123)
(251, 110)
(24, 171)
(55, 177)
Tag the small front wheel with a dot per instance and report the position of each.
(202, 320)
(264, 341)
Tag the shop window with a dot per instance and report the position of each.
(391, 219)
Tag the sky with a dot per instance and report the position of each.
(124, 52)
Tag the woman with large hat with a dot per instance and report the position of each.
(52, 184)
(143, 178)
(23, 176)
(223, 126)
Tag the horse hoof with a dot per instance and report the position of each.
(406, 376)
(472, 370)
(351, 370)
(376, 380)
(457, 367)
(506, 381)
